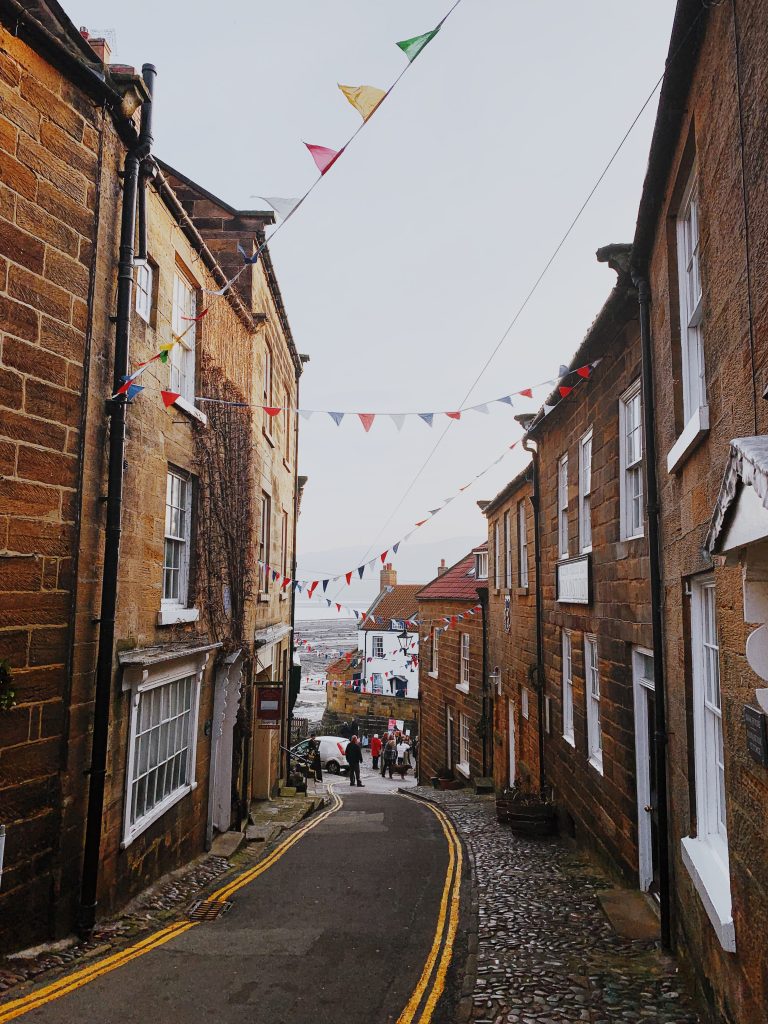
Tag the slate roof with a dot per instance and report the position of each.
(457, 583)
(398, 603)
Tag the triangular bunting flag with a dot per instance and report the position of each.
(306, 414)
(395, 548)
(413, 47)
(507, 399)
(246, 257)
(360, 571)
(312, 587)
(325, 585)
(338, 607)
(427, 417)
(483, 408)
(282, 207)
(271, 410)
(548, 409)
(564, 391)
(348, 577)
(421, 522)
(563, 371)
(398, 419)
(324, 158)
(584, 371)
(526, 392)
(454, 415)
(364, 98)
(169, 397)
(383, 555)
(366, 418)
(337, 417)
(433, 511)
(133, 390)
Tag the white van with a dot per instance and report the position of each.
(331, 752)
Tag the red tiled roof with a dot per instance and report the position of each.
(457, 583)
(397, 603)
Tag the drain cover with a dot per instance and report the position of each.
(208, 910)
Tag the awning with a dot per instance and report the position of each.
(163, 652)
(747, 466)
(271, 635)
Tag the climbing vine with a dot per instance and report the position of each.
(225, 556)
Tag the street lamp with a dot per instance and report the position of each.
(404, 640)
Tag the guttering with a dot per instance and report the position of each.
(117, 411)
(530, 447)
(654, 559)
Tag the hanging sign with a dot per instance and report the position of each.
(757, 736)
(269, 703)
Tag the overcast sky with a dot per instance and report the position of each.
(406, 264)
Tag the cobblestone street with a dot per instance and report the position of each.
(544, 952)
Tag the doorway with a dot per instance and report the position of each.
(449, 738)
(647, 787)
(511, 735)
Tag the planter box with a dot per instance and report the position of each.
(538, 819)
(449, 783)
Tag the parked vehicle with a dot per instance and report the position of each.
(331, 752)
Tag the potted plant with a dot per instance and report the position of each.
(527, 812)
(445, 779)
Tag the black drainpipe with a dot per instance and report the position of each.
(652, 510)
(487, 716)
(291, 643)
(530, 447)
(116, 409)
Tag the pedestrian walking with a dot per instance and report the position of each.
(402, 750)
(375, 751)
(383, 752)
(390, 756)
(354, 756)
(314, 761)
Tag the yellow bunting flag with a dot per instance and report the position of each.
(364, 98)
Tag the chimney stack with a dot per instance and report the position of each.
(100, 47)
(388, 576)
(442, 567)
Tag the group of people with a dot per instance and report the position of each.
(394, 749)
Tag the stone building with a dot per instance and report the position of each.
(386, 668)
(512, 648)
(161, 698)
(454, 708)
(699, 258)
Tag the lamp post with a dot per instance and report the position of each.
(404, 640)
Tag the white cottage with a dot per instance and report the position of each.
(386, 667)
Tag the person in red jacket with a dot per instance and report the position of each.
(375, 751)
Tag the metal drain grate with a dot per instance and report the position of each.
(208, 910)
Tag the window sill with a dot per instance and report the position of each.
(463, 767)
(570, 740)
(710, 880)
(283, 596)
(462, 687)
(155, 813)
(287, 465)
(696, 428)
(269, 438)
(596, 760)
(521, 591)
(172, 614)
(263, 598)
(625, 538)
(432, 675)
(189, 409)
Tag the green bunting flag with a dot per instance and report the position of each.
(413, 47)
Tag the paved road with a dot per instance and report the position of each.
(339, 928)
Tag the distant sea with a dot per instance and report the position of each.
(328, 636)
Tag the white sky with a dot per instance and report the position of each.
(406, 264)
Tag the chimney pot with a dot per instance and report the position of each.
(442, 567)
(100, 47)
(387, 577)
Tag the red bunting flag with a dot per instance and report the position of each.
(366, 418)
(383, 555)
(338, 607)
(169, 397)
(584, 371)
(421, 522)
(453, 415)
(286, 581)
(271, 410)
(526, 392)
(564, 391)
(195, 318)
(324, 158)
(348, 577)
(312, 587)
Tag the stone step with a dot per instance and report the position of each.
(227, 844)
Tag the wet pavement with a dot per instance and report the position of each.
(543, 951)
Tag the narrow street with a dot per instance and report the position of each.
(343, 916)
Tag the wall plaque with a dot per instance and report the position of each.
(573, 579)
(757, 735)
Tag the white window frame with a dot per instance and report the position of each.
(705, 855)
(522, 546)
(496, 555)
(562, 506)
(631, 483)
(524, 703)
(592, 688)
(463, 683)
(377, 646)
(507, 551)
(481, 565)
(691, 300)
(267, 389)
(569, 734)
(464, 747)
(287, 413)
(435, 653)
(177, 609)
(585, 492)
(140, 680)
(265, 540)
(143, 285)
(182, 360)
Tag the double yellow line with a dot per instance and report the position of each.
(62, 987)
(432, 981)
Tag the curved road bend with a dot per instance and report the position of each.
(339, 927)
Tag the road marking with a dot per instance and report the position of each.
(34, 1000)
(445, 931)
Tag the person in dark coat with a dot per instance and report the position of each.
(354, 756)
(315, 763)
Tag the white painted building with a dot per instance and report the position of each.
(385, 668)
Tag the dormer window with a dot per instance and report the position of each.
(481, 565)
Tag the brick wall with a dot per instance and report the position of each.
(512, 643)
(601, 806)
(440, 692)
(736, 984)
(49, 146)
